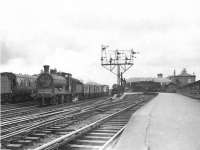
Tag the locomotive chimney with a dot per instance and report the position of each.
(46, 68)
(160, 75)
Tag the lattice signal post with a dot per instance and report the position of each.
(117, 61)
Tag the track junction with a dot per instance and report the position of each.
(35, 130)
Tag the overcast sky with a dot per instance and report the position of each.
(68, 35)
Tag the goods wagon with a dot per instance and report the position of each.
(17, 87)
(105, 90)
(77, 89)
(86, 90)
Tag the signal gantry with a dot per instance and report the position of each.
(117, 61)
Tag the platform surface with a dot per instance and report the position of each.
(169, 122)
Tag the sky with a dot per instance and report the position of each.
(68, 34)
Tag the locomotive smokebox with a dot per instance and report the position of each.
(46, 68)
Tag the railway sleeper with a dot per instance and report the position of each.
(100, 134)
(118, 121)
(112, 126)
(41, 135)
(88, 142)
(55, 129)
(23, 142)
(64, 124)
(64, 131)
(83, 147)
(92, 137)
(115, 123)
(32, 138)
(43, 131)
(108, 127)
(14, 146)
(105, 131)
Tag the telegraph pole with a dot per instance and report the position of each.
(117, 61)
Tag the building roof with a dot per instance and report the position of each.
(140, 79)
(184, 73)
(92, 83)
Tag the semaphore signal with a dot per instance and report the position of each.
(117, 61)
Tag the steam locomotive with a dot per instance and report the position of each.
(59, 87)
(49, 87)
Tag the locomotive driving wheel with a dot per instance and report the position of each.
(56, 99)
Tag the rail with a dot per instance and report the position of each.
(66, 138)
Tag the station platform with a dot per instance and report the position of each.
(168, 122)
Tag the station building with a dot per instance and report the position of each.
(183, 78)
(158, 83)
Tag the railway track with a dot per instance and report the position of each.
(17, 113)
(9, 106)
(98, 135)
(101, 136)
(19, 110)
(19, 125)
(49, 111)
(63, 126)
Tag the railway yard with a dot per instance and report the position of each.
(89, 124)
(99, 75)
(55, 111)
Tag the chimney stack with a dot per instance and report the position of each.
(46, 68)
(174, 72)
(160, 75)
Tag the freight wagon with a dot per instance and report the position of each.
(17, 87)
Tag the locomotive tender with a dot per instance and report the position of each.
(59, 87)
(17, 87)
